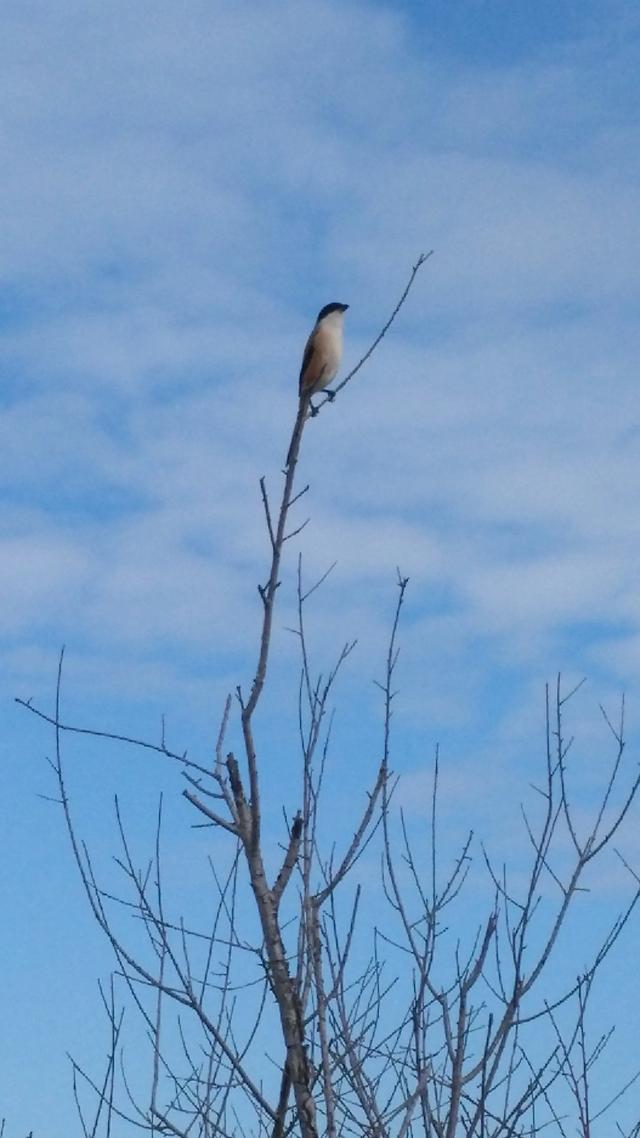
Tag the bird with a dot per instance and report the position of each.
(320, 363)
(323, 351)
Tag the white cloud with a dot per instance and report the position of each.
(183, 187)
(182, 200)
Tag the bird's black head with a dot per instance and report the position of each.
(329, 308)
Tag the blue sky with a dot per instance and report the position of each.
(184, 185)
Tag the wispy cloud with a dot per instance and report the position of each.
(182, 200)
(182, 188)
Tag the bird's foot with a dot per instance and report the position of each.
(329, 394)
(313, 411)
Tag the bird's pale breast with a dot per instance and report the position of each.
(327, 351)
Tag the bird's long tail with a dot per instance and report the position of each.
(301, 418)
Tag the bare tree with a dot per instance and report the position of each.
(301, 1007)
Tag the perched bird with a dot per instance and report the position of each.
(320, 363)
(323, 350)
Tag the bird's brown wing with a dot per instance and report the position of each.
(306, 370)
